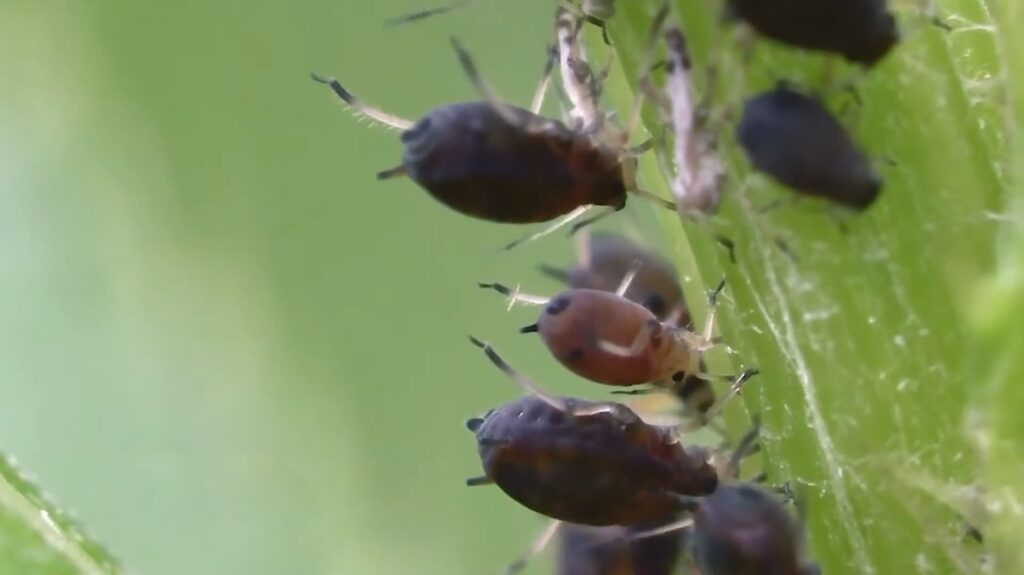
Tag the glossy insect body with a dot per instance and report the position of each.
(593, 464)
(603, 260)
(794, 139)
(862, 31)
(589, 550)
(742, 529)
(475, 161)
(608, 339)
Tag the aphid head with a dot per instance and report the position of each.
(885, 35)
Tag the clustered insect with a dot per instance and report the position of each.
(629, 496)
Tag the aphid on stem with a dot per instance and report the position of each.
(501, 163)
(794, 139)
(608, 339)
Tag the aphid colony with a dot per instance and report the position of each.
(625, 495)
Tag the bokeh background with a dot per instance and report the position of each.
(225, 347)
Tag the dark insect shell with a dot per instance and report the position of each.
(602, 469)
(612, 257)
(794, 139)
(575, 320)
(474, 161)
(586, 550)
(741, 529)
(862, 31)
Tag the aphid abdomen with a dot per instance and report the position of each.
(741, 529)
(573, 324)
(601, 469)
(862, 31)
(794, 139)
(471, 159)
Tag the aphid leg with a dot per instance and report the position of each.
(600, 24)
(551, 228)
(592, 219)
(389, 173)
(733, 390)
(521, 380)
(646, 55)
(746, 447)
(482, 86)
(545, 80)
(640, 342)
(362, 109)
(667, 528)
(477, 481)
(729, 245)
(584, 253)
(627, 280)
(538, 545)
(514, 295)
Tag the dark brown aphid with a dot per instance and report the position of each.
(501, 163)
(603, 337)
(586, 550)
(590, 463)
(742, 529)
(862, 31)
(603, 261)
(794, 139)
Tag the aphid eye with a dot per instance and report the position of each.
(474, 423)
(557, 305)
(656, 304)
(678, 376)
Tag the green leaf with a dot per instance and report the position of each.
(867, 328)
(37, 539)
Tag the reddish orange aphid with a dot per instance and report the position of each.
(609, 339)
(584, 462)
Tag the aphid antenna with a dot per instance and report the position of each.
(485, 89)
(427, 13)
(360, 108)
(520, 379)
(538, 545)
(514, 295)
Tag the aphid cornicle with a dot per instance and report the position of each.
(603, 260)
(589, 463)
(603, 337)
(501, 163)
(862, 31)
(742, 529)
(794, 139)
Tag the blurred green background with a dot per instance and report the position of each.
(225, 347)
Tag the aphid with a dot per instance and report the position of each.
(794, 139)
(698, 172)
(603, 261)
(742, 529)
(586, 550)
(590, 463)
(862, 31)
(603, 337)
(501, 163)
